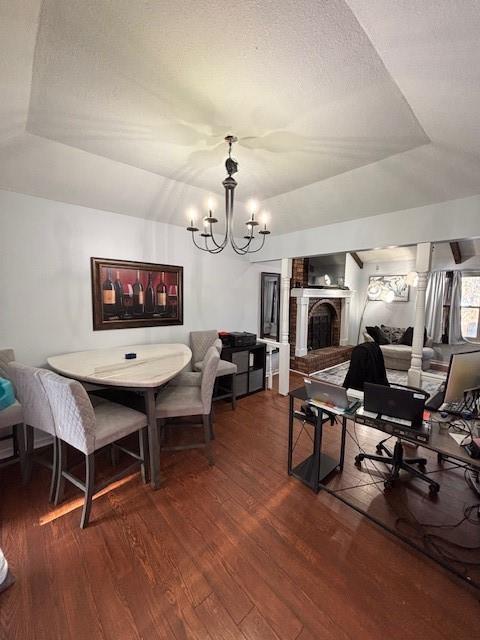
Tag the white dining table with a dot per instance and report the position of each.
(153, 366)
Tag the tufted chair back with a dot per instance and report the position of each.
(200, 342)
(32, 396)
(6, 357)
(72, 411)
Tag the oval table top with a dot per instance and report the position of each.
(154, 365)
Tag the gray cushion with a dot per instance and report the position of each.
(179, 401)
(12, 415)
(114, 421)
(187, 379)
(224, 368)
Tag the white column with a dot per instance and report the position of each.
(284, 348)
(302, 327)
(345, 321)
(424, 256)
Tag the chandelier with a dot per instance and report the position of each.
(253, 243)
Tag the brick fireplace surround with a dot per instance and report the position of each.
(319, 358)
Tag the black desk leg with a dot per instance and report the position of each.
(342, 446)
(317, 450)
(290, 434)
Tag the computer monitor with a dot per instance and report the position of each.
(463, 373)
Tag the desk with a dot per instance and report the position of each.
(154, 365)
(376, 508)
(315, 468)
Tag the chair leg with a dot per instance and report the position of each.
(114, 455)
(54, 479)
(234, 390)
(62, 466)
(143, 446)
(19, 434)
(212, 431)
(28, 453)
(207, 430)
(89, 489)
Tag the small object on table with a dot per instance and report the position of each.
(130, 356)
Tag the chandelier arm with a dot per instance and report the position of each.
(197, 245)
(223, 243)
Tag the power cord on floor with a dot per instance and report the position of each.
(432, 541)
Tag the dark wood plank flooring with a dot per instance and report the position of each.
(237, 551)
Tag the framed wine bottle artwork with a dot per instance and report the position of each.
(128, 294)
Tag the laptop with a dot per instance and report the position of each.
(329, 394)
(398, 404)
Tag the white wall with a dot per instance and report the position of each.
(393, 314)
(45, 301)
(432, 223)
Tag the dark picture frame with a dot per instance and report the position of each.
(128, 294)
(270, 305)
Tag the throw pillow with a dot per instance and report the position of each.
(407, 337)
(377, 334)
(393, 333)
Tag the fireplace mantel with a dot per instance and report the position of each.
(321, 293)
(303, 296)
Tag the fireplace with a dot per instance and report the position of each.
(320, 326)
(319, 319)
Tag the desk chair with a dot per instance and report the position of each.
(200, 342)
(396, 458)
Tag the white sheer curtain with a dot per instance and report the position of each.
(434, 304)
(455, 323)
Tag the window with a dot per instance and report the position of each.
(471, 307)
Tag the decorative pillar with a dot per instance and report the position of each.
(284, 348)
(424, 256)
(345, 321)
(301, 347)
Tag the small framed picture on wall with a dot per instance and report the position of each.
(128, 294)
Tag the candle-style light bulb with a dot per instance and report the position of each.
(210, 205)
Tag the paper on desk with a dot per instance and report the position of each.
(459, 437)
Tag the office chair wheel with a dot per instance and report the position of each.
(422, 467)
(379, 451)
(358, 460)
(433, 489)
(388, 484)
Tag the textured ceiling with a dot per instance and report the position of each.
(156, 85)
(343, 109)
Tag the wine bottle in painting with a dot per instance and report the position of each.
(118, 295)
(127, 300)
(172, 300)
(149, 296)
(161, 298)
(108, 296)
(138, 297)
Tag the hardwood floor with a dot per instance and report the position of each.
(238, 551)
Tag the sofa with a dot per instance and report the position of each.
(398, 356)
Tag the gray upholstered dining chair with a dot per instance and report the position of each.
(11, 419)
(190, 394)
(88, 427)
(36, 415)
(200, 342)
